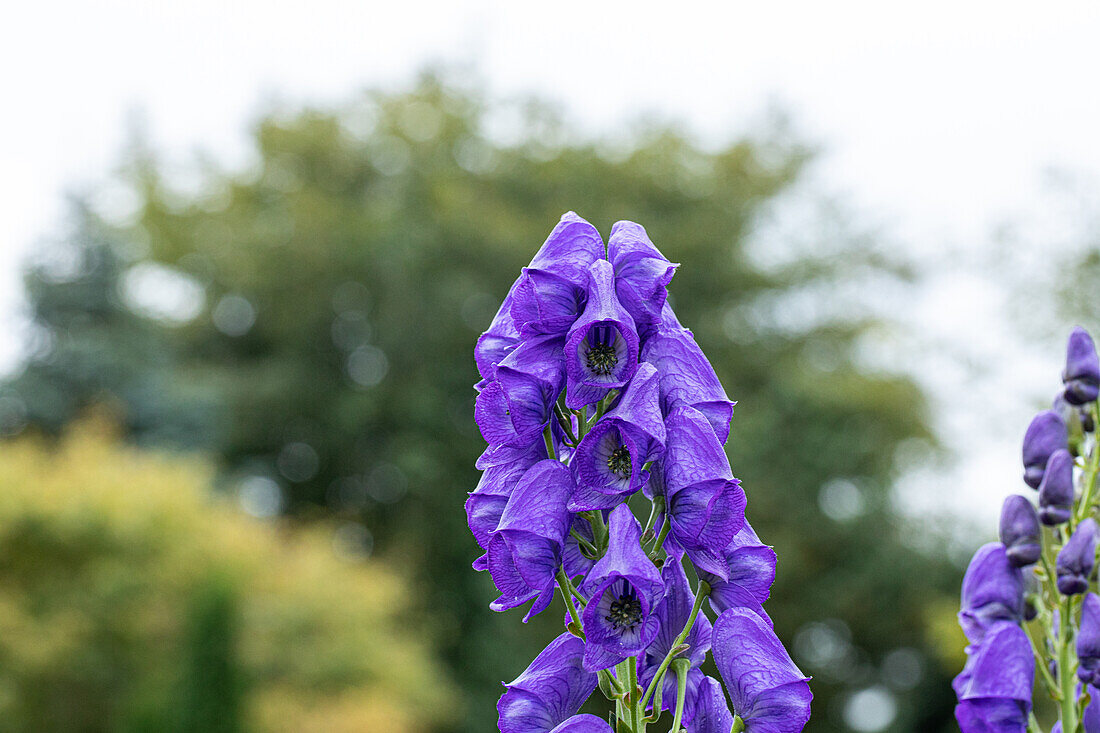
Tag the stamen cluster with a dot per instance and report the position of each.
(594, 398)
(1029, 605)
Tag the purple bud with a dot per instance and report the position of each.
(1088, 641)
(1056, 489)
(1076, 559)
(1082, 373)
(992, 591)
(1045, 434)
(1020, 531)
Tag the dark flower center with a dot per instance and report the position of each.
(619, 462)
(625, 613)
(602, 359)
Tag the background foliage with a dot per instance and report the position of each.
(329, 298)
(132, 600)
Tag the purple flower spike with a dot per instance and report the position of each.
(642, 273)
(1045, 434)
(1082, 372)
(525, 551)
(1088, 641)
(496, 343)
(768, 691)
(583, 724)
(673, 612)
(549, 692)
(1076, 559)
(622, 588)
(1056, 489)
(995, 689)
(552, 290)
(688, 378)
(1020, 531)
(751, 574)
(992, 590)
(601, 350)
(610, 457)
(712, 714)
(513, 409)
(705, 503)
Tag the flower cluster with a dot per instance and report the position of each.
(594, 398)
(1028, 602)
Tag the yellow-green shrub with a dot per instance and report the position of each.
(104, 551)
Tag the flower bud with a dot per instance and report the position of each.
(1076, 559)
(1020, 531)
(1088, 641)
(1045, 434)
(1056, 489)
(1082, 373)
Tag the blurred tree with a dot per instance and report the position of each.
(130, 601)
(342, 279)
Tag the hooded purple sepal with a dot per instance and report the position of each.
(751, 569)
(1088, 641)
(550, 691)
(672, 612)
(642, 273)
(1076, 559)
(1020, 532)
(516, 406)
(1056, 489)
(688, 378)
(712, 713)
(601, 349)
(525, 551)
(1081, 375)
(769, 693)
(583, 724)
(498, 341)
(995, 688)
(992, 590)
(486, 502)
(705, 504)
(609, 459)
(1045, 434)
(622, 588)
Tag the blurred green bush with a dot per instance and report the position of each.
(131, 599)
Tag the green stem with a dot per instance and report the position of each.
(739, 725)
(1041, 663)
(656, 507)
(1090, 475)
(1067, 676)
(566, 424)
(632, 693)
(584, 542)
(564, 585)
(659, 544)
(548, 437)
(700, 594)
(681, 669)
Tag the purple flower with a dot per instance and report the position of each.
(1056, 489)
(992, 590)
(515, 407)
(642, 273)
(549, 692)
(1020, 531)
(601, 349)
(622, 588)
(711, 714)
(768, 691)
(496, 343)
(552, 290)
(609, 459)
(705, 504)
(995, 687)
(583, 724)
(751, 571)
(525, 551)
(1088, 641)
(486, 502)
(1076, 558)
(688, 378)
(673, 612)
(1045, 434)
(1082, 372)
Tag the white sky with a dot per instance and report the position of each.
(937, 119)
